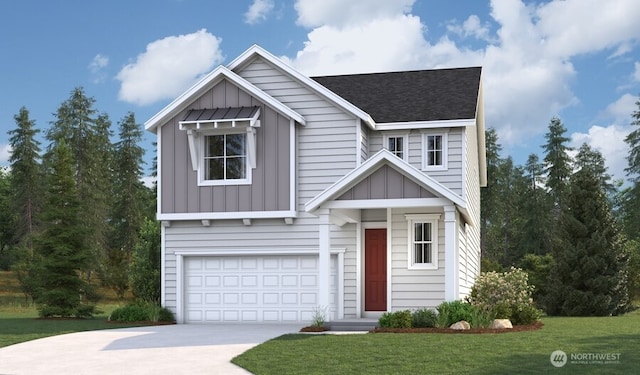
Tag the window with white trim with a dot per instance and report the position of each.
(225, 157)
(435, 151)
(397, 144)
(423, 241)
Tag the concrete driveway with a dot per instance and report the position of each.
(171, 349)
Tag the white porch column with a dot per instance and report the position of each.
(450, 255)
(324, 229)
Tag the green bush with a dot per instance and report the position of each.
(397, 319)
(141, 312)
(481, 317)
(508, 294)
(452, 312)
(424, 318)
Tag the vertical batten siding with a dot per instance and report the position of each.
(412, 289)
(270, 188)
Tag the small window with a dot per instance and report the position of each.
(423, 241)
(225, 157)
(397, 144)
(435, 151)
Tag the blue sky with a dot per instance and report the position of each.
(576, 59)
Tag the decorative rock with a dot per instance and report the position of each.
(461, 326)
(501, 324)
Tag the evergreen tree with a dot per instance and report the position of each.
(536, 211)
(145, 266)
(490, 197)
(61, 252)
(7, 221)
(128, 201)
(630, 201)
(86, 134)
(26, 177)
(589, 274)
(593, 161)
(557, 162)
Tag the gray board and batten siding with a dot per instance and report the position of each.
(270, 187)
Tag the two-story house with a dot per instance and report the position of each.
(280, 194)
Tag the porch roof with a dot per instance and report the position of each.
(333, 196)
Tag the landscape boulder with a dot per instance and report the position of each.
(461, 326)
(501, 324)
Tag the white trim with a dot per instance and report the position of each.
(381, 158)
(163, 266)
(258, 251)
(360, 274)
(387, 203)
(210, 80)
(405, 142)
(465, 165)
(324, 259)
(450, 256)
(292, 166)
(229, 215)
(158, 174)
(433, 220)
(250, 156)
(409, 125)
(340, 291)
(179, 289)
(358, 143)
(323, 91)
(445, 151)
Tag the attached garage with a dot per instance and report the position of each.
(253, 288)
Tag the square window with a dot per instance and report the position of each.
(225, 157)
(397, 144)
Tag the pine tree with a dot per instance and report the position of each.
(589, 275)
(128, 201)
(26, 178)
(592, 160)
(61, 252)
(87, 134)
(557, 162)
(536, 211)
(630, 200)
(489, 196)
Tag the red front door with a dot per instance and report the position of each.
(375, 270)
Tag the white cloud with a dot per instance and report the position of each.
(636, 72)
(5, 153)
(621, 109)
(352, 13)
(472, 26)
(258, 11)
(527, 62)
(96, 67)
(609, 141)
(168, 67)
(149, 181)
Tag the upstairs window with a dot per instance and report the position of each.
(435, 151)
(225, 157)
(397, 144)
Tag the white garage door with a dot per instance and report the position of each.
(253, 288)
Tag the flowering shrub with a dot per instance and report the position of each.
(508, 294)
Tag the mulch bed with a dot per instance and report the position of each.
(313, 329)
(518, 328)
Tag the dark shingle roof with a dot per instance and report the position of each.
(421, 95)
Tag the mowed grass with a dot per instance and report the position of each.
(414, 353)
(19, 317)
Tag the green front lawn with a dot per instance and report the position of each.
(413, 353)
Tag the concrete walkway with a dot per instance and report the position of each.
(171, 349)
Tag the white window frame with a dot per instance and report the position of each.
(405, 143)
(433, 220)
(250, 150)
(445, 151)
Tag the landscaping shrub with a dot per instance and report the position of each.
(141, 312)
(481, 317)
(397, 319)
(424, 318)
(508, 294)
(452, 312)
